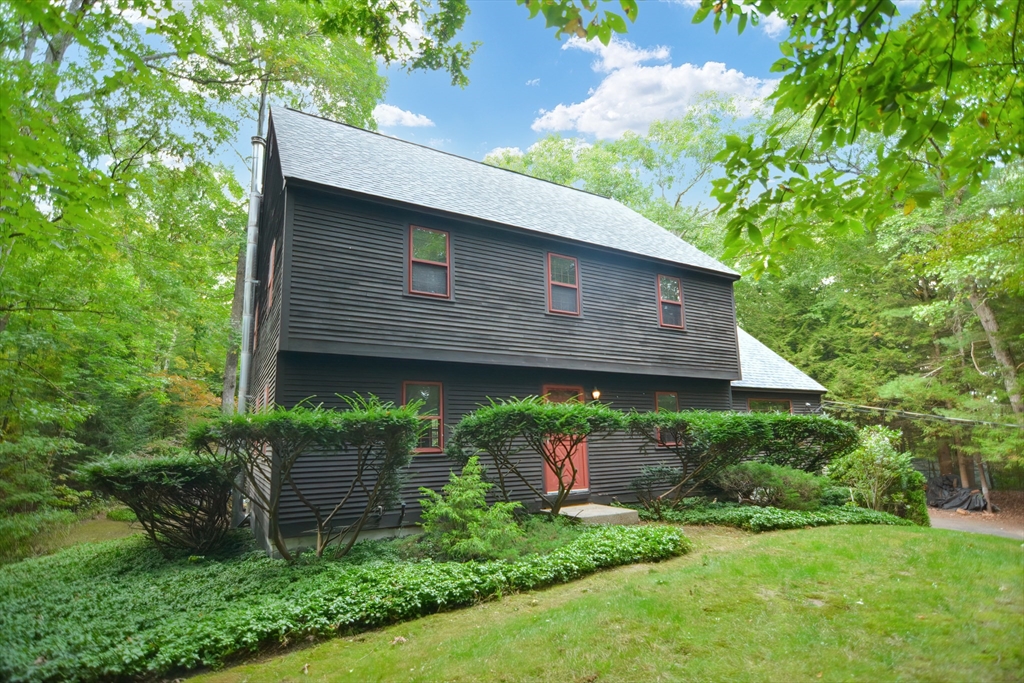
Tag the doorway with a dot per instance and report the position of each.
(557, 393)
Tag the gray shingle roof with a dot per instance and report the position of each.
(765, 369)
(348, 158)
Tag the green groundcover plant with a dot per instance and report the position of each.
(758, 519)
(119, 610)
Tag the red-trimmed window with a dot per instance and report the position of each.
(432, 410)
(266, 397)
(429, 262)
(270, 274)
(563, 284)
(769, 405)
(670, 302)
(666, 401)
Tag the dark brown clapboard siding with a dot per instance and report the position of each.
(803, 403)
(347, 283)
(268, 335)
(613, 461)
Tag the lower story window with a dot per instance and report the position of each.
(769, 405)
(666, 401)
(432, 411)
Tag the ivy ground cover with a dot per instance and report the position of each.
(758, 519)
(839, 603)
(119, 610)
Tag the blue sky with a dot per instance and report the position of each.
(525, 84)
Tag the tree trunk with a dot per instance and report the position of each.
(227, 397)
(1007, 366)
(945, 460)
(965, 472)
(984, 483)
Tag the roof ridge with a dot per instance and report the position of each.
(451, 154)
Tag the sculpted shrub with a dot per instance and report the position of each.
(704, 443)
(180, 500)
(805, 442)
(554, 432)
(378, 437)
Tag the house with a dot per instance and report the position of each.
(389, 268)
(771, 383)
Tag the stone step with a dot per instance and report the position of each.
(592, 513)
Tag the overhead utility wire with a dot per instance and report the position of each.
(925, 416)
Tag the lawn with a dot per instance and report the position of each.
(864, 603)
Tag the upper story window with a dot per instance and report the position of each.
(563, 284)
(432, 411)
(670, 302)
(429, 262)
(769, 405)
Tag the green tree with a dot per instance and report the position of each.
(941, 89)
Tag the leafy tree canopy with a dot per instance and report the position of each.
(934, 102)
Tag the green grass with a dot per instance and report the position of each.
(864, 603)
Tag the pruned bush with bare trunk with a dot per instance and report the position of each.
(378, 436)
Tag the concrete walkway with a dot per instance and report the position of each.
(974, 523)
(592, 513)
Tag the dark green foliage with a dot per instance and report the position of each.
(35, 506)
(704, 443)
(652, 481)
(118, 610)
(553, 431)
(461, 524)
(29, 467)
(912, 504)
(494, 430)
(759, 519)
(180, 500)
(767, 485)
(806, 442)
(832, 495)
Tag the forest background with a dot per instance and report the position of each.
(120, 233)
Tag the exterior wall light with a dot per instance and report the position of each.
(596, 393)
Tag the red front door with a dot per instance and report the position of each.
(561, 394)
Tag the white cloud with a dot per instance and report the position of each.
(617, 54)
(774, 25)
(504, 151)
(390, 116)
(533, 81)
(634, 94)
(438, 143)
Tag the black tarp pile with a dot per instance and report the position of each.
(947, 494)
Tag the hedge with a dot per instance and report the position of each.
(180, 499)
(118, 610)
(758, 519)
